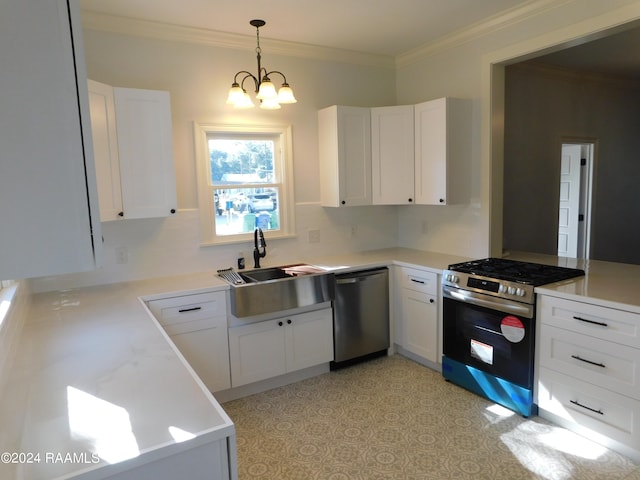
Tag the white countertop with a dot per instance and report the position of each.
(97, 379)
(613, 285)
(435, 262)
(93, 353)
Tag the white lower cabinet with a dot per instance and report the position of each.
(269, 348)
(583, 405)
(197, 325)
(418, 313)
(588, 369)
(209, 461)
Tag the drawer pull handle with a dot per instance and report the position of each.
(418, 281)
(599, 412)
(580, 319)
(588, 361)
(192, 309)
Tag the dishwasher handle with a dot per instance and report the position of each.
(359, 276)
(344, 281)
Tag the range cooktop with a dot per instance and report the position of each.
(534, 274)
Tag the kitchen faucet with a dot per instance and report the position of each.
(259, 243)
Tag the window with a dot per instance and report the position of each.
(244, 182)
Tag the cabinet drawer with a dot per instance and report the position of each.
(419, 280)
(605, 412)
(604, 323)
(602, 363)
(209, 309)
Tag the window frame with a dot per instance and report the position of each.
(283, 163)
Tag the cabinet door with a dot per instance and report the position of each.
(309, 339)
(48, 200)
(420, 324)
(207, 351)
(146, 152)
(443, 151)
(582, 405)
(105, 147)
(197, 325)
(257, 352)
(392, 155)
(431, 152)
(344, 136)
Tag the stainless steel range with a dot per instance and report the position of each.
(489, 327)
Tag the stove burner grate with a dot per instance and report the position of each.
(516, 271)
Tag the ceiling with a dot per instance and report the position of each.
(384, 27)
(380, 27)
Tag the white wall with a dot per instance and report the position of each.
(461, 66)
(198, 77)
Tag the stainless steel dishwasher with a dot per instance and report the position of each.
(360, 316)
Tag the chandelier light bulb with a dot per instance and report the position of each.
(267, 90)
(264, 88)
(285, 94)
(270, 104)
(236, 93)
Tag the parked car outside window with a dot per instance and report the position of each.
(261, 202)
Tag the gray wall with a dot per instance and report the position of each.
(543, 106)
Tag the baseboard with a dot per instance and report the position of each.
(270, 383)
(418, 359)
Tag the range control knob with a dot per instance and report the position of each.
(520, 292)
(502, 288)
(452, 278)
(511, 290)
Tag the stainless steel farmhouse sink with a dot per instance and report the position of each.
(274, 289)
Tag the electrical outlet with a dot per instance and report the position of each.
(122, 255)
(314, 236)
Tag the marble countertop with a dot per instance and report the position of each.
(93, 353)
(613, 285)
(96, 386)
(431, 261)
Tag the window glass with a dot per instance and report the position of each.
(242, 182)
(246, 192)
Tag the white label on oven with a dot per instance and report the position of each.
(482, 351)
(512, 328)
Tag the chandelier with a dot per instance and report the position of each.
(265, 90)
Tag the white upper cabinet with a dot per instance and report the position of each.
(105, 147)
(344, 137)
(48, 197)
(442, 151)
(134, 152)
(392, 155)
(398, 155)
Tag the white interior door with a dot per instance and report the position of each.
(569, 210)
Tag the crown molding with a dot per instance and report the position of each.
(501, 20)
(162, 31)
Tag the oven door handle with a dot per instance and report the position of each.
(466, 296)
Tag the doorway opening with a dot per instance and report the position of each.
(574, 209)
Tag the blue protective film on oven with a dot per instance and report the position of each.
(507, 394)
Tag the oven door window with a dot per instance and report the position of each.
(498, 343)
